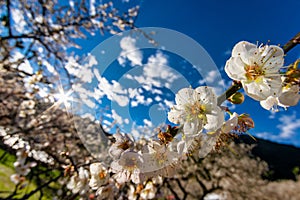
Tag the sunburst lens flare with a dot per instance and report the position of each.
(60, 98)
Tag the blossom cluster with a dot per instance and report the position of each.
(201, 128)
(200, 125)
(260, 69)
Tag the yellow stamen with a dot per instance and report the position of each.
(253, 72)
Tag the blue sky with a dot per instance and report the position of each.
(218, 26)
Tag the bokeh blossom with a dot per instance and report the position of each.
(149, 191)
(22, 167)
(128, 167)
(79, 181)
(99, 175)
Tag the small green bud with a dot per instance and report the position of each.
(237, 98)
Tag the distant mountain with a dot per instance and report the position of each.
(281, 158)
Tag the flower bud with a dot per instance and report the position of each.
(237, 98)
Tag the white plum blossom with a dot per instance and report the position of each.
(196, 109)
(270, 103)
(128, 167)
(159, 159)
(201, 143)
(289, 97)
(79, 182)
(158, 180)
(122, 143)
(204, 143)
(99, 175)
(209, 142)
(257, 68)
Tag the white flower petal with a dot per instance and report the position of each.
(269, 103)
(181, 147)
(244, 50)
(83, 173)
(263, 89)
(234, 70)
(184, 96)
(290, 97)
(241, 47)
(214, 120)
(206, 95)
(192, 127)
(230, 124)
(174, 116)
(207, 144)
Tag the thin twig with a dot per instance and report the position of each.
(292, 43)
(40, 187)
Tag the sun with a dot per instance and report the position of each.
(62, 97)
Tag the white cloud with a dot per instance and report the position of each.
(89, 116)
(289, 125)
(210, 77)
(117, 117)
(83, 72)
(147, 123)
(151, 78)
(264, 135)
(49, 67)
(157, 68)
(107, 115)
(156, 91)
(169, 104)
(106, 122)
(92, 7)
(155, 73)
(272, 114)
(145, 131)
(140, 99)
(24, 66)
(157, 98)
(19, 21)
(85, 95)
(130, 52)
(72, 66)
(126, 121)
(287, 130)
(114, 91)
